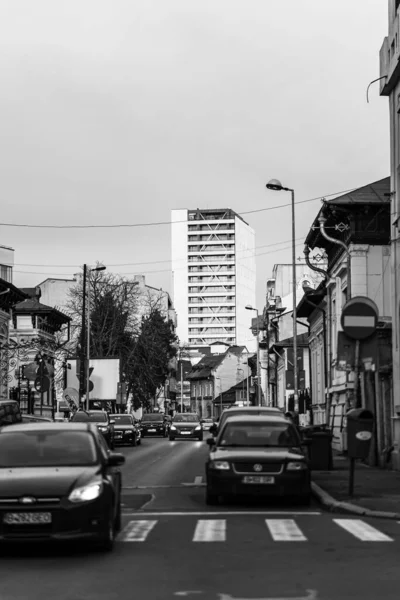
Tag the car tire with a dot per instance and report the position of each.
(211, 498)
(112, 445)
(200, 438)
(107, 538)
(134, 441)
(118, 518)
(171, 439)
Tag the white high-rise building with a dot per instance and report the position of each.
(214, 277)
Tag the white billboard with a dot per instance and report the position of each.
(105, 377)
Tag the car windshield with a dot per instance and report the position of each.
(47, 449)
(281, 434)
(92, 417)
(122, 419)
(185, 418)
(152, 418)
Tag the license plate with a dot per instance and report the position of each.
(186, 432)
(258, 479)
(151, 430)
(38, 518)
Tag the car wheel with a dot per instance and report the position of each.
(211, 499)
(112, 445)
(171, 439)
(108, 537)
(200, 438)
(134, 441)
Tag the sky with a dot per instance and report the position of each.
(115, 112)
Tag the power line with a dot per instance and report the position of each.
(157, 223)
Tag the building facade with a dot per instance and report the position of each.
(390, 87)
(214, 276)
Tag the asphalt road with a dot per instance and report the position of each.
(173, 546)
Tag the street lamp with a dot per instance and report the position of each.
(276, 185)
(249, 307)
(86, 274)
(242, 371)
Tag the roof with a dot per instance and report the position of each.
(373, 194)
(302, 342)
(237, 349)
(203, 368)
(13, 296)
(33, 306)
(231, 212)
(58, 426)
(257, 418)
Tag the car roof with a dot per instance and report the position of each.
(254, 409)
(56, 426)
(259, 418)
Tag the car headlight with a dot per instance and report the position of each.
(173, 427)
(85, 493)
(220, 465)
(102, 428)
(198, 427)
(296, 466)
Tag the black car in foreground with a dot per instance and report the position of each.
(126, 430)
(58, 482)
(153, 424)
(101, 419)
(186, 426)
(257, 456)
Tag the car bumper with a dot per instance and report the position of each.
(126, 437)
(194, 435)
(286, 484)
(86, 521)
(158, 431)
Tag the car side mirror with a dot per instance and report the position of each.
(210, 442)
(115, 459)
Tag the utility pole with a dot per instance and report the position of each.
(83, 338)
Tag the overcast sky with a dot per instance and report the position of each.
(116, 111)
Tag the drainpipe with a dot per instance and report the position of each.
(309, 363)
(322, 220)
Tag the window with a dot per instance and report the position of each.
(6, 273)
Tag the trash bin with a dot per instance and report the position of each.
(319, 442)
(360, 426)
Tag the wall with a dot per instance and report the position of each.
(179, 239)
(6, 263)
(55, 292)
(245, 283)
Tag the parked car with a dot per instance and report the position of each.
(102, 419)
(257, 456)
(153, 424)
(186, 425)
(207, 424)
(9, 412)
(59, 481)
(245, 410)
(126, 430)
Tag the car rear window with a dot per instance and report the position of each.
(189, 418)
(276, 434)
(152, 418)
(122, 419)
(92, 417)
(47, 449)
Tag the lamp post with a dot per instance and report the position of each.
(248, 307)
(102, 268)
(242, 383)
(276, 185)
(220, 401)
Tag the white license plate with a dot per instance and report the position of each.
(151, 430)
(186, 432)
(257, 479)
(38, 518)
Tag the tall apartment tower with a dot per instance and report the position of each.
(214, 277)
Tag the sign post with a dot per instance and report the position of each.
(359, 320)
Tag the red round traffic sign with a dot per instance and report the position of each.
(359, 318)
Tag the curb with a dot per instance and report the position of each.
(333, 505)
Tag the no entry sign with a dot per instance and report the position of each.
(359, 318)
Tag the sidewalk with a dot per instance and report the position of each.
(376, 491)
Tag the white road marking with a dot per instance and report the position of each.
(311, 595)
(210, 530)
(285, 530)
(363, 531)
(136, 531)
(222, 513)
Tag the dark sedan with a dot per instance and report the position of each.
(58, 481)
(186, 426)
(126, 430)
(102, 419)
(153, 424)
(237, 411)
(257, 456)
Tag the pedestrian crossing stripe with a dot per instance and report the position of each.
(280, 530)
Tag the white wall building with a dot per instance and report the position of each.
(214, 276)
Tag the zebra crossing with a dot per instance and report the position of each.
(276, 530)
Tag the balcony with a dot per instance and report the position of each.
(217, 258)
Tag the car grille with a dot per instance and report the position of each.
(247, 467)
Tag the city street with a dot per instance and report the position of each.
(172, 545)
